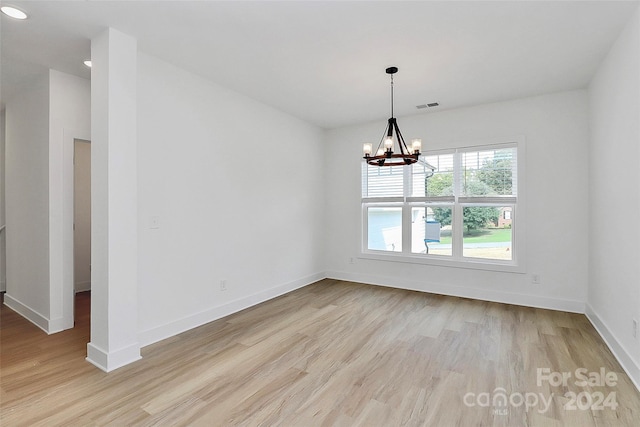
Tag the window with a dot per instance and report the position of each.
(462, 210)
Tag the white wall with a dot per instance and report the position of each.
(3, 257)
(614, 270)
(236, 188)
(37, 121)
(114, 201)
(69, 118)
(27, 200)
(556, 132)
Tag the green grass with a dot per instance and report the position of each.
(487, 235)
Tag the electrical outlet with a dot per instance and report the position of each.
(223, 285)
(535, 279)
(635, 328)
(352, 260)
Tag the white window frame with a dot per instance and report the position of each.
(457, 203)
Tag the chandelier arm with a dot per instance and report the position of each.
(403, 147)
(386, 132)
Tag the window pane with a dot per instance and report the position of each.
(431, 230)
(440, 184)
(487, 232)
(489, 173)
(385, 181)
(385, 229)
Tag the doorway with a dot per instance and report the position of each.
(82, 216)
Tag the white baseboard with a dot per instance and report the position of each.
(82, 286)
(168, 330)
(60, 324)
(536, 301)
(27, 312)
(110, 361)
(50, 326)
(621, 354)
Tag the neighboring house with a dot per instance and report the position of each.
(504, 220)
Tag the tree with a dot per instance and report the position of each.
(442, 215)
(475, 218)
(440, 184)
(497, 174)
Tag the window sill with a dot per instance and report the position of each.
(468, 263)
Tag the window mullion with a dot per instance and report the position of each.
(406, 211)
(456, 221)
(364, 241)
(514, 245)
(456, 232)
(407, 184)
(406, 229)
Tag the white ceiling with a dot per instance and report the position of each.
(324, 61)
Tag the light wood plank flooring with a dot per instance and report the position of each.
(332, 353)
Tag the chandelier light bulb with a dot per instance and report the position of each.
(367, 148)
(388, 143)
(380, 152)
(416, 145)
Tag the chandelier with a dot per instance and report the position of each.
(385, 154)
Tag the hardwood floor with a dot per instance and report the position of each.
(332, 353)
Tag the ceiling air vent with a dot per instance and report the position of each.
(429, 105)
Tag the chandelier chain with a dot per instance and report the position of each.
(391, 95)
